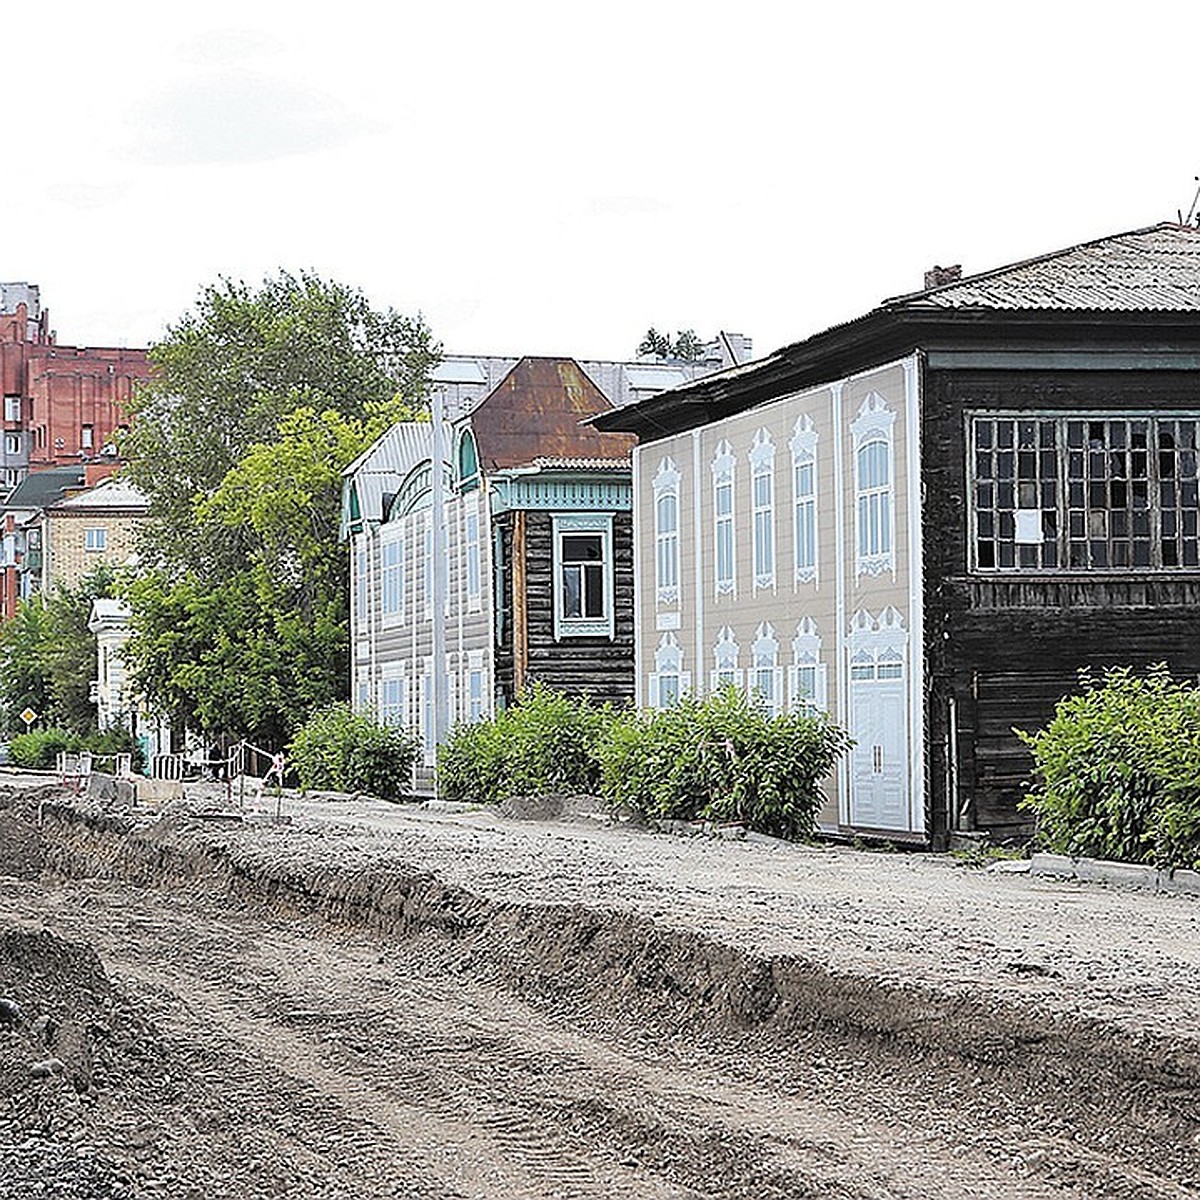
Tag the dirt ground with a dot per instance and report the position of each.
(374, 1001)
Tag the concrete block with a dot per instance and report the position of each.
(1187, 882)
(1118, 874)
(157, 791)
(1058, 866)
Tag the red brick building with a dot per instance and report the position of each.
(62, 404)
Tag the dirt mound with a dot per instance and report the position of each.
(65, 1035)
(21, 851)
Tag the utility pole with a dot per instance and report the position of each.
(437, 515)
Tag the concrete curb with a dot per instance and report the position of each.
(1115, 874)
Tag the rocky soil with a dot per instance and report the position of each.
(372, 1001)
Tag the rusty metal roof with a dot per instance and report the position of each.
(535, 413)
(1156, 269)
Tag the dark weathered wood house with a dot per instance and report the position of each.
(538, 574)
(990, 485)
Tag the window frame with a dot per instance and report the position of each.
(804, 503)
(762, 524)
(392, 573)
(724, 483)
(564, 525)
(95, 539)
(666, 541)
(874, 426)
(1064, 509)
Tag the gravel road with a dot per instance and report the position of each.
(378, 1001)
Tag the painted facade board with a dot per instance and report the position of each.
(778, 550)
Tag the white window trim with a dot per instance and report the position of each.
(764, 657)
(668, 664)
(392, 541)
(725, 660)
(474, 558)
(875, 423)
(804, 453)
(96, 534)
(724, 468)
(762, 466)
(666, 543)
(806, 655)
(569, 523)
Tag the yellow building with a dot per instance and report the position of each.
(89, 529)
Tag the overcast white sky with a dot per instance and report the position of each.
(552, 178)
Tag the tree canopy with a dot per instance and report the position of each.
(258, 400)
(686, 345)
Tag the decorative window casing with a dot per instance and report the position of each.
(875, 487)
(583, 575)
(877, 645)
(804, 496)
(391, 577)
(762, 494)
(725, 659)
(393, 701)
(724, 464)
(765, 676)
(1080, 492)
(96, 539)
(360, 582)
(474, 576)
(666, 532)
(669, 681)
(807, 678)
(468, 462)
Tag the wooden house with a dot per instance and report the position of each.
(538, 568)
(929, 520)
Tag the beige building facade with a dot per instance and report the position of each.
(90, 529)
(779, 551)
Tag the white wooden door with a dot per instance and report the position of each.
(879, 762)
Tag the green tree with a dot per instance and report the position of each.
(227, 374)
(48, 657)
(686, 346)
(24, 672)
(258, 402)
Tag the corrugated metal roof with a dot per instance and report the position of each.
(382, 468)
(40, 488)
(1146, 270)
(537, 410)
(111, 493)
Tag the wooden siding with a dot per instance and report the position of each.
(598, 667)
(1006, 648)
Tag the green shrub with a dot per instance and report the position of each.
(545, 744)
(1118, 771)
(115, 740)
(340, 750)
(722, 759)
(39, 748)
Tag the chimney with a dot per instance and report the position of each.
(940, 276)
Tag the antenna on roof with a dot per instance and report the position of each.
(1195, 201)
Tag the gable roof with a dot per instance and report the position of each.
(1121, 291)
(110, 495)
(40, 488)
(1156, 269)
(536, 412)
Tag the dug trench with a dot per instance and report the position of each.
(976, 1095)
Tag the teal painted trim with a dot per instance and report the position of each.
(561, 495)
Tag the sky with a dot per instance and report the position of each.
(555, 178)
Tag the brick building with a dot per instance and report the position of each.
(62, 404)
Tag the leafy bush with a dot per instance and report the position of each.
(544, 744)
(115, 740)
(341, 750)
(722, 759)
(39, 748)
(1119, 771)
